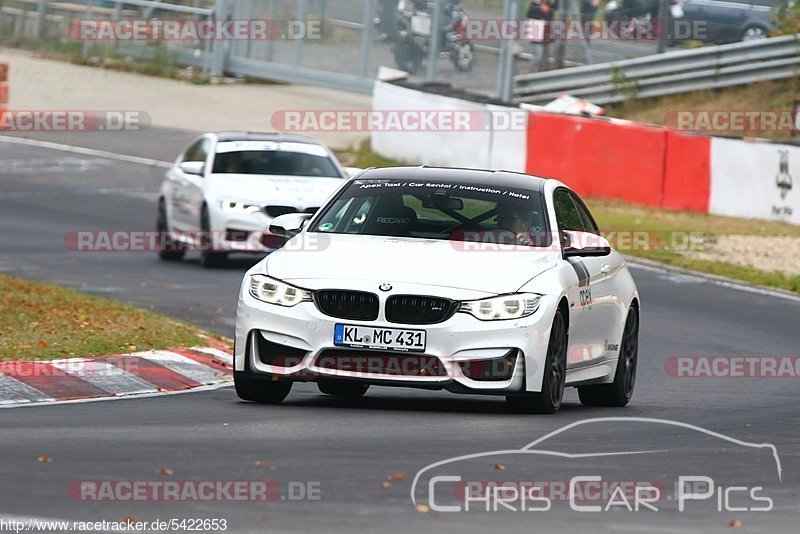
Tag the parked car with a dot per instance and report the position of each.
(728, 21)
(223, 191)
(485, 282)
(711, 21)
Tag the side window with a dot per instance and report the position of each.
(347, 216)
(586, 217)
(567, 214)
(198, 151)
(359, 217)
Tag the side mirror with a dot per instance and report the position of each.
(289, 224)
(193, 167)
(584, 244)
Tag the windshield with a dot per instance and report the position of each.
(274, 162)
(447, 211)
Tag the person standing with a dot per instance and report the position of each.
(541, 12)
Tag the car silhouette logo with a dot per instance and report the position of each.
(784, 179)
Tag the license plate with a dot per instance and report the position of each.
(379, 338)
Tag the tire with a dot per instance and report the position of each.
(619, 392)
(342, 388)
(407, 56)
(208, 258)
(549, 399)
(261, 389)
(463, 56)
(169, 249)
(754, 33)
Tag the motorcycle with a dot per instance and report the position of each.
(414, 35)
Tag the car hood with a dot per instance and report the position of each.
(322, 258)
(299, 191)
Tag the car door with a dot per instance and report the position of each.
(716, 20)
(607, 309)
(731, 17)
(187, 189)
(588, 290)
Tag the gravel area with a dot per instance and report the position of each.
(777, 253)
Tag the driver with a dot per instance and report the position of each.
(518, 220)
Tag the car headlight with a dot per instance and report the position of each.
(267, 289)
(239, 206)
(512, 306)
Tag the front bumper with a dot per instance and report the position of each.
(245, 233)
(457, 347)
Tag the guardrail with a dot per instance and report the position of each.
(666, 74)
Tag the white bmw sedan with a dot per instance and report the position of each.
(223, 191)
(471, 281)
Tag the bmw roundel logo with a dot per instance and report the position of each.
(385, 286)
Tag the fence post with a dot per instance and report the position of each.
(217, 46)
(366, 39)
(434, 41)
(301, 14)
(505, 70)
(41, 13)
(664, 19)
(87, 43)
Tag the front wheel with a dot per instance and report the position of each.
(209, 258)
(754, 33)
(555, 375)
(262, 390)
(169, 248)
(463, 56)
(619, 392)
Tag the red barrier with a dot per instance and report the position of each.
(3, 93)
(687, 172)
(615, 159)
(598, 157)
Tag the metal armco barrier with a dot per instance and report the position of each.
(666, 74)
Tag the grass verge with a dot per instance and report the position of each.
(41, 321)
(777, 95)
(617, 216)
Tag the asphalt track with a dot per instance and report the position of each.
(349, 448)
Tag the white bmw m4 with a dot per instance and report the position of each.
(224, 189)
(471, 281)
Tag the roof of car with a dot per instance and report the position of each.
(516, 180)
(263, 136)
